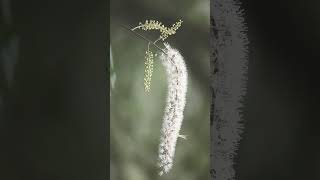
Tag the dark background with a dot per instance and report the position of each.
(53, 121)
(54, 110)
(281, 139)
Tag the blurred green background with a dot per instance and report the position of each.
(135, 115)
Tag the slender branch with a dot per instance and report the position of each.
(144, 38)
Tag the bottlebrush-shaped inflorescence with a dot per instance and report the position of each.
(176, 98)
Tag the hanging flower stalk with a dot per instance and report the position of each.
(148, 69)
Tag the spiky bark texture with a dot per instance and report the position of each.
(228, 75)
(176, 98)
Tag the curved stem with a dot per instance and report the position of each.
(156, 40)
(138, 27)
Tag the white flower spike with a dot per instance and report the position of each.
(176, 99)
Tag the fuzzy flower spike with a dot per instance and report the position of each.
(176, 72)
